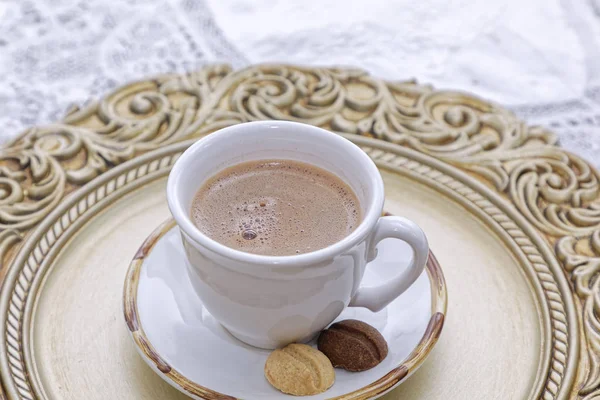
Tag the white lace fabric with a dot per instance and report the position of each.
(540, 58)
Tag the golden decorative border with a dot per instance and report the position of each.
(557, 192)
(413, 361)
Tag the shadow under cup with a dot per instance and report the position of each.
(269, 301)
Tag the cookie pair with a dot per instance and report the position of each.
(301, 370)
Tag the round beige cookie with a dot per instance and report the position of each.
(300, 370)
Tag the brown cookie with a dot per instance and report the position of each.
(300, 370)
(353, 345)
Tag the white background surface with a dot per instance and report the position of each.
(541, 58)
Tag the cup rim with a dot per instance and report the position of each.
(184, 221)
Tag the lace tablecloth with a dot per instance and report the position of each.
(540, 58)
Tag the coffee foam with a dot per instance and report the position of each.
(276, 207)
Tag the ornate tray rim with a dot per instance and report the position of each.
(556, 192)
(41, 247)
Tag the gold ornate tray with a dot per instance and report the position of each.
(514, 221)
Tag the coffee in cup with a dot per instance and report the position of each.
(276, 207)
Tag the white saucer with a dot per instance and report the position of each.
(188, 348)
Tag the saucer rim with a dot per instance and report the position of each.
(439, 302)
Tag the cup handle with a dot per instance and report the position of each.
(375, 298)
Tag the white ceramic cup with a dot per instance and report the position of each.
(270, 301)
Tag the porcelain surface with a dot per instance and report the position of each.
(269, 301)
